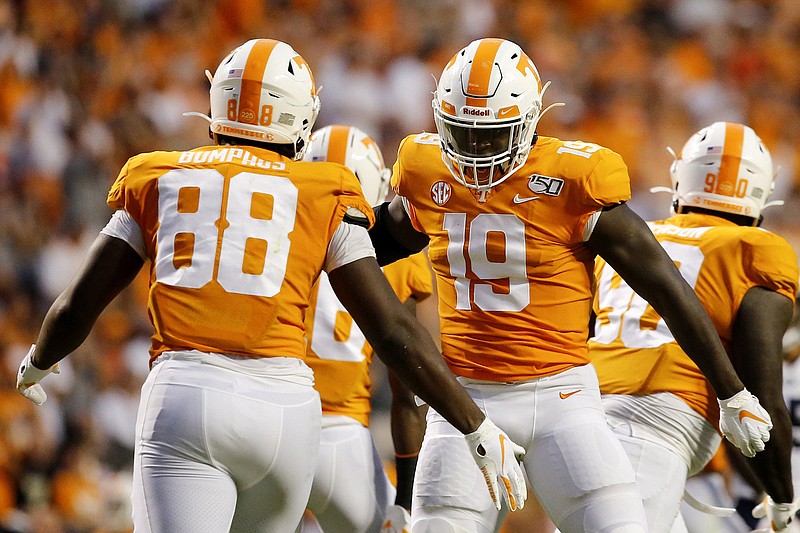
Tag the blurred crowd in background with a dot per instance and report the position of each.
(85, 84)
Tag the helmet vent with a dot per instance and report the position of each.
(514, 95)
(274, 95)
(704, 137)
(514, 56)
(291, 68)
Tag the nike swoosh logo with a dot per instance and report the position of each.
(520, 200)
(564, 396)
(748, 414)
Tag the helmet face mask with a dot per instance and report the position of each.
(351, 147)
(486, 107)
(264, 91)
(726, 168)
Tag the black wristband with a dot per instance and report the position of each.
(405, 467)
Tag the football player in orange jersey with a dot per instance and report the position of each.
(236, 234)
(513, 221)
(351, 491)
(656, 399)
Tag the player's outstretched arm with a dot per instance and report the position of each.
(110, 266)
(405, 346)
(624, 240)
(757, 355)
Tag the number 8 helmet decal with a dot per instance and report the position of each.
(351, 147)
(486, 107)
(724, 167)
(264, 91)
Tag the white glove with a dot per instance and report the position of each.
(779, 514)
(28, 378)
(498, 457)
(397, 520)
(744, 422)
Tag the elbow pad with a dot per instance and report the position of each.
(387, 248)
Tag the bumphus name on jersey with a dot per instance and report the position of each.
(229, 155)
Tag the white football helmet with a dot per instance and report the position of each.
(724, 167)
(264, 91)
(486, 107)
(351, 147)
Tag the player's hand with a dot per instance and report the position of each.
(778, 514)
(498, 457)
(29, 376)
(397, 520)
(744, 422)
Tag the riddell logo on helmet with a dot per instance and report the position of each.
(477, 111)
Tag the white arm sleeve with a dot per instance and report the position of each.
(349, 243)
(122, 226)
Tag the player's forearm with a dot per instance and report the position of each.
(64, 329)
(413, 357)
(773, 466)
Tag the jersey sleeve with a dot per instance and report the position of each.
(608, 183)
(399, 181)
(398, 170)
(771, 262)
(353, 207)
(116, 195)
(133, 189)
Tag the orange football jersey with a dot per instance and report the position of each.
(337, 350)
(634, 351)
(237, 236)
(513, 272)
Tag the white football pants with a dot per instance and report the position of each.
(666, 441)
(351, 490)
(575, 464)
(220, 450)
